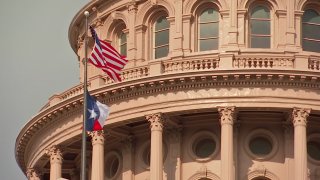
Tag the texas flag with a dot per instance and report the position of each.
(96, 115)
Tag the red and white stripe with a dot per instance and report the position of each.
(108, 59)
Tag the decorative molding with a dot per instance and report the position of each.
(55, 154)
(132, 7)
(114, 93)
(97, 22)
(259, 170)
(33, 174)
(299, 116)
(203, 172)
(154, 86)
(156, 121)
(226, 115)
(97, 137)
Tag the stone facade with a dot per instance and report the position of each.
(246, 109)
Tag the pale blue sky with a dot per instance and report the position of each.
(36, 62)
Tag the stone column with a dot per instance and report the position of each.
(299, 118)
(55, 162)
(128, 159)
(32, 174)
(226, 121)
(97, 168)
(156, 158)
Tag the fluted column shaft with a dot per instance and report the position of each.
(156, 157)
(97, 167)
(32, 174)
(300, 143)
(55, 162)
(226, 121)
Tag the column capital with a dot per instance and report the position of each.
(299, 116)
(156, 121)
(55, 154)
(132, 7)
(97, 137)
(226, 114)
(97, 22)
(32, 173)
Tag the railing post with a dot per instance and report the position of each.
(226, 61)
(156, 68)
(301, 62)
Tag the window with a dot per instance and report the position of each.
(203, 146)
(314, 150)
(123, 44)
(260, 146)
(161, 37)
(260, 30)
(114, 162)
(310, 31)
(208, 24)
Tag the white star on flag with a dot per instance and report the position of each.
(92, 114)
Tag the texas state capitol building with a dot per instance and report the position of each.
(214, 90)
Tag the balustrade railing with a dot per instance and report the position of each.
(263, 62)
(314, 63)
(186, 65)
(194, 64)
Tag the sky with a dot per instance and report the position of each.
(36, 62)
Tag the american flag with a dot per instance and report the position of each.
(106, 58)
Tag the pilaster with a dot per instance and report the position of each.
(177, 36)
(128, 158)
(140, 32)
(241, 27)
(289, 150)
(298, 22)
(186, 24)
(281, 28)
(132, 46)
(174, 135)
(233, 30)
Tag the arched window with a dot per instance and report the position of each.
(161, 37)
(311, 31)
(123, 43)
(208, 24)
(260, 28)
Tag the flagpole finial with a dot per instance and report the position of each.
(86, 13)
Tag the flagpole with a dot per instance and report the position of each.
(84, 135)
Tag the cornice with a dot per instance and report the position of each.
(117, 92)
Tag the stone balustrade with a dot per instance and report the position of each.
(198, 64)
